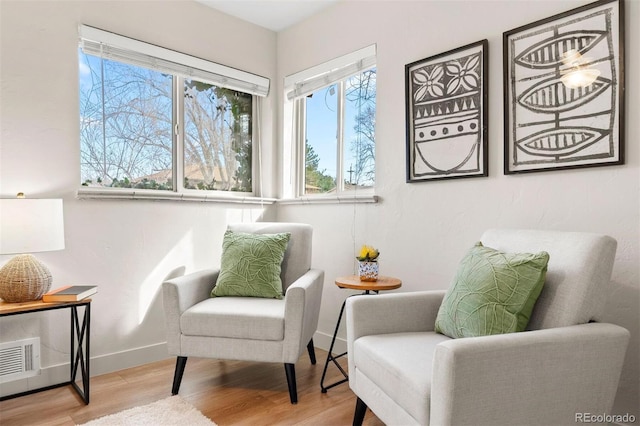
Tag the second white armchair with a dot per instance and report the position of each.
(567, 364)
(248, 328)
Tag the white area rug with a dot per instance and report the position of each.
(166, 412)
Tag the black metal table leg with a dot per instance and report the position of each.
(353, 282)
(331, 358)
(80, 351)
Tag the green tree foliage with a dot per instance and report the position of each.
(316, 180)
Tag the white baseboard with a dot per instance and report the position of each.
(126, 359)
(323, 341)
(108, 363)
(100, 364)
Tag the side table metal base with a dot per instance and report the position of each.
(80, 339)
(80, 331)
(353, 282)
(331, 358)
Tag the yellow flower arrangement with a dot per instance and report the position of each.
(368, 254)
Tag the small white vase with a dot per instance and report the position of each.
(368, 271)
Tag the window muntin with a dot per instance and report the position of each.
(339, 136)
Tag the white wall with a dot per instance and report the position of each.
(125, 247)
(128, 248)
(423, 229)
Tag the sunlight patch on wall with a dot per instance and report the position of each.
(173, 264)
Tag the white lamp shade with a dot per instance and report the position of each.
(31, 225)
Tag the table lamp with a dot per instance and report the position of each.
(28, 226)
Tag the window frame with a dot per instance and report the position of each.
(182, 67)
(297, 87)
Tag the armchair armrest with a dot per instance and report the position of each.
(392, 313)
(538, 376)
(302, 308)
(178, 295)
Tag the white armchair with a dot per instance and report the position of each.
(407, 374)
(247, 328)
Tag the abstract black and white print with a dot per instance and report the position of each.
(563, 90)
(446, 117)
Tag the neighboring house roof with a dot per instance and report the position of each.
(192, 172)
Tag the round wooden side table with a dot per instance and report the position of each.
(353, 282)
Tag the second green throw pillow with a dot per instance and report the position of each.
(493, 293)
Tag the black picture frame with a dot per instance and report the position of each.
(447, 98)
(551, 121)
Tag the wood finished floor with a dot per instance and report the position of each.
(228, 392)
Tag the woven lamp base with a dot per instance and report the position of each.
(24, 278)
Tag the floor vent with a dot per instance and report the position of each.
(19, 359)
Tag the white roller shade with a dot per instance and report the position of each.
(308, 81)
(113, 46)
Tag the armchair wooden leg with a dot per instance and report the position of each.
(312, 352)
(358, 416)
(290, 370)
(181, 362)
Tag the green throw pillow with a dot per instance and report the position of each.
(251, 265)
(493, 293)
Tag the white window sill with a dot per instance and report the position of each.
(86, 193)
(342, 199)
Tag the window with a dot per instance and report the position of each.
(333, 109)
(155, 119)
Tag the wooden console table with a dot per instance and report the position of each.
(80, 331)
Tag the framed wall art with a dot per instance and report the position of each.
(564, 90)
(446, 114)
